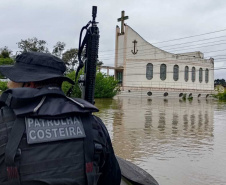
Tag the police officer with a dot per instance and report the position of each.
(47, 138)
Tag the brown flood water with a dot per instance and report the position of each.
(177, 142)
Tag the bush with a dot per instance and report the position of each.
(5, 61)
(3, 86)
(106, 86)
(221, 96)
(66, 85)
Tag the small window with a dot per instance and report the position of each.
(119, 77)
(149, 93)
(149, 71)
(186, 73)
(193, 74)
(207, 75)
(176, 72)
(163, 71)
(165, 94)
(200, 75)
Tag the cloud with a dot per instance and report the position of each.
(155, 21)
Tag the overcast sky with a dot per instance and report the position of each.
(154, 20)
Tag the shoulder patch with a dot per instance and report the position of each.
(48, 130)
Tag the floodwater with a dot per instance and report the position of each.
(177, 142)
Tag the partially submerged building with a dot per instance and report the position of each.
(145, 70)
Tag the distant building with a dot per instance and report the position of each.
(143, 69)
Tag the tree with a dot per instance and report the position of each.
(106, 86)
(70, 58)
(99, 63)
(220, 82)
(58, 49)
(5, 52)
(5, 57)
(33, 44)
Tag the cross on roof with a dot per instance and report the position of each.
(123, 17)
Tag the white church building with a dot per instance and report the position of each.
(143, 69)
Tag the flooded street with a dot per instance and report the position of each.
(177, 142)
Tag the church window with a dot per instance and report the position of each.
(193, 74)
(163, 71)
(119, 76)
(176, 72)
(200, 75)
(149, 71)
(207, 75)
(186, 73)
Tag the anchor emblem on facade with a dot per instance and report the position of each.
(134, 51)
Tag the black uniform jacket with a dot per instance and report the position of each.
(51, 101)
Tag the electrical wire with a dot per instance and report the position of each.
(143, 53)
(188, 56)
(146, 43)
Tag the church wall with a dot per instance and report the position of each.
(121, 47)
(136, 76)
(135, 73)
(145, 49)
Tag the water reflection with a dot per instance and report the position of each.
(165, 137)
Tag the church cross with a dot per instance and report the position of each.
(123, 17)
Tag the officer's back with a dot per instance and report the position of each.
(46, 137)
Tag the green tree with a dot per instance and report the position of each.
(99, 63)
(3, 86)
(70, 58)
(33, 44)
(106, 86)
(58, 49)
(220, 82)
(5, 52)
(76, 92)
(5, 57)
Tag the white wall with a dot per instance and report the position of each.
(135, 65)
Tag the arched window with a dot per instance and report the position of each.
(149, 71)
(193, 74)
(200, 75)
(176, 72)
(163, 71)
(207, 75)
(186, 73)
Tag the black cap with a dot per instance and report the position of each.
(35, 66)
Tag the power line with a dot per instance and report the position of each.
(147, 44)
(190, 36)
(182, 55)
(149, 53)
(186, 60)
(120, 53)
